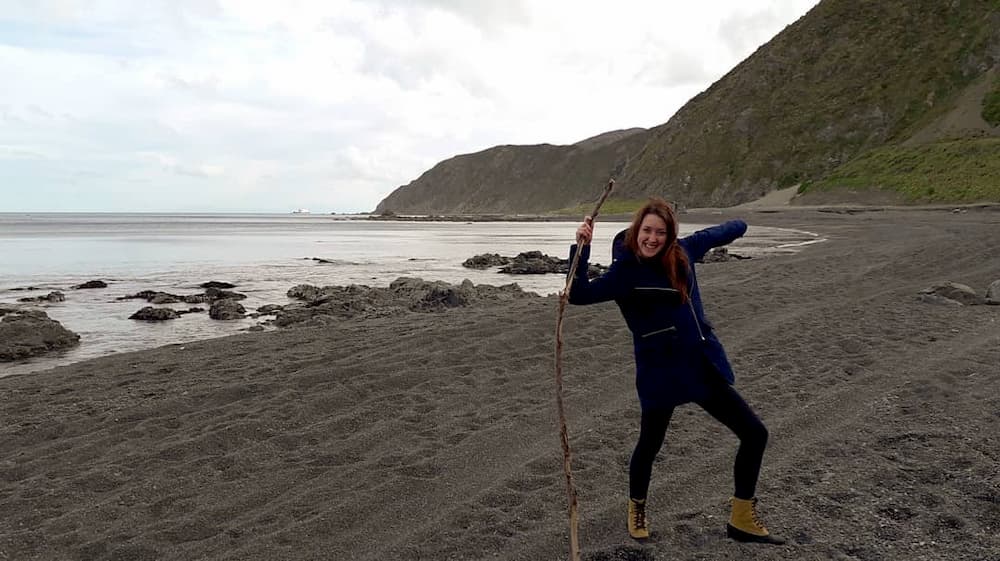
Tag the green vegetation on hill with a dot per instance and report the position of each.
(517, 179)
(991, 105)
(847, 77)
(958, 171)
(610, 206)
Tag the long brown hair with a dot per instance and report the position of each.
(672, 257)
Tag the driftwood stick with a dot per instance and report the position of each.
(574, 540)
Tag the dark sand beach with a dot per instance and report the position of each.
(433, 436)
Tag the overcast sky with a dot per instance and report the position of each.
(269, 106)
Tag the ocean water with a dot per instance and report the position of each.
(264, 255)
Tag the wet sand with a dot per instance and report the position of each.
(433, 436)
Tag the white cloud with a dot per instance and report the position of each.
(266, 106)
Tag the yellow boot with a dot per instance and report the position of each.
(745, 524)
(638, 526)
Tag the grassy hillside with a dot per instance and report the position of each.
(991, 105)
(517, 179)
(958, 171)
(848, 77)
(611, 206)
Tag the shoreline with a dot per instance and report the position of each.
(783, 216)
(101, 316)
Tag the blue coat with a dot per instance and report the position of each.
(676, 349)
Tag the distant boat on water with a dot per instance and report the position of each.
(301, 211)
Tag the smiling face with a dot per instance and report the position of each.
(652, 235)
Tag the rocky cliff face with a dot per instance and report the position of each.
(847, 78)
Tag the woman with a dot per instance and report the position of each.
(678, 358)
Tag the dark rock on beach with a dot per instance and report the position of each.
(91, 284)
(165, 298)
(993, 293)
(306, 292)
(151, 295)
(54, 296)
(951, 293)
(406, 294)
(226, 309)
(217, 294)
(527, 263)
(28, 333)
(217, 284)
(535, 263)
(269, 309)
(150, 313)
(721, 255)
(210, 295)
(486, 261)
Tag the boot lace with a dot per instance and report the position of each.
(756, 515)
(639, 516)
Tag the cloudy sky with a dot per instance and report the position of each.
(273, 105)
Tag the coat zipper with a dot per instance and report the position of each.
(695, 316)
(664, 330)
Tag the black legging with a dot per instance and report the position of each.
(729, 408)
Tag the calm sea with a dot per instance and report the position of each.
(264, 255)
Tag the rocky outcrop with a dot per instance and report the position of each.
(149, 313)
(216, 284)
(213, 294)
(528, 263)
(305, 292)
(91, 284)
(210, 295)
(319, 306)
(159, 297)
(721, 255)
(535, 263)
(485, 261)
(993, 293)
(226, 309)
(54, 296)
(951, 293)
(28, 333)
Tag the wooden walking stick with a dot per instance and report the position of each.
(574, 541)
